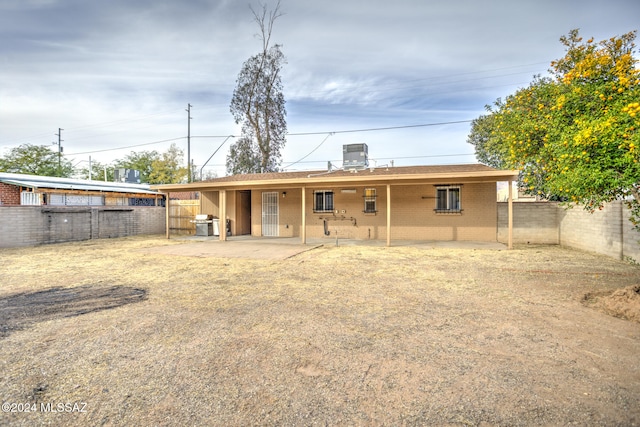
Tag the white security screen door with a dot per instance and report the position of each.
(270, 214)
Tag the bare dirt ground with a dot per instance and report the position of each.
(334, 336)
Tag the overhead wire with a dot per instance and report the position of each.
(128, 146)
(310, 153)
(328, 133)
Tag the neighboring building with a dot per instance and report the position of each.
(36, 210)
(444, 202)
(33, 190)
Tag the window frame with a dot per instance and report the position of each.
(370, 199)
(325, 200)
(452, 204)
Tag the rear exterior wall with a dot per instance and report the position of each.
(413, 215)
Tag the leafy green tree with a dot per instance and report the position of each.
(166, 169)
(243, 157)
(35, 160)
(97, 172)
(574, 136)
(482, 137)
(141, 161)
(155, 167)
(259, 105)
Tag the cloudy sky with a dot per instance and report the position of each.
(405, 76)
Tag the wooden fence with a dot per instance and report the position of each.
(181, 213)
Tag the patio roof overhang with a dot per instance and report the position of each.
(361, 178)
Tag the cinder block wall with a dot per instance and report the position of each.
(607, 231)
(20, 226)
(602, 231)
(9, 194)
(36, 225)
(533, 222)
(631, 240)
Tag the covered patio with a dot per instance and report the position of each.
(425, 203)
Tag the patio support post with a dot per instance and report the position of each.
(388, 215)
(167, 208)
(510, 238)
(303, 232)
(222, 201)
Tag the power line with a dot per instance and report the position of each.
(378, 159)
(310, 153)
(128, 146)
(354, 130)
(289, 134)
(380, 129)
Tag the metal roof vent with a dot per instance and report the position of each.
(355, 156)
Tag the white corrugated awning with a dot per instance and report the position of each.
(34, 181)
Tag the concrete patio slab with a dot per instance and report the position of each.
(258, 249)
(286, 247)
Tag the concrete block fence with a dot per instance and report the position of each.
(607, 231)
(37, 225)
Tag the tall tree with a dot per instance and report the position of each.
(141, 161)
(155, 167)
(166, 169)
(576, 135)
(482, 137)
(35, 160)
(259, 105)
(97, 172)
(244, 157)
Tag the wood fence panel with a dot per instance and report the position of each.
(181, 213)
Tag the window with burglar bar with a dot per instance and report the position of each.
(370, 200)
(448, 199)
(323, 201)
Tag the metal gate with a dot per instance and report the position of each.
(270, 214)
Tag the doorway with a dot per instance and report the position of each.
(243, 210)
(270, 214)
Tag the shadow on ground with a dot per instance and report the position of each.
(18, 311)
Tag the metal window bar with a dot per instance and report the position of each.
(448, 200)
(323, 201)
(370, 200)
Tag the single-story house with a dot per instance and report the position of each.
(442, 202)
(34, 190)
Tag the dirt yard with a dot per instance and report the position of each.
(112, 333)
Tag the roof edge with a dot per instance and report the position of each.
(492, 175)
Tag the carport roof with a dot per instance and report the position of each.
(390, 175)
(36, 181)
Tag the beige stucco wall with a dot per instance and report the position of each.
(412, 214)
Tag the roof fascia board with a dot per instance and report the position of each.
(360, 178)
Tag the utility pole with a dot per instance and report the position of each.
(59, 135)
(188, 110)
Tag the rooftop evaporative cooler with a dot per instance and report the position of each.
(355, 156)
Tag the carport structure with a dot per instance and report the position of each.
(440, 202)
